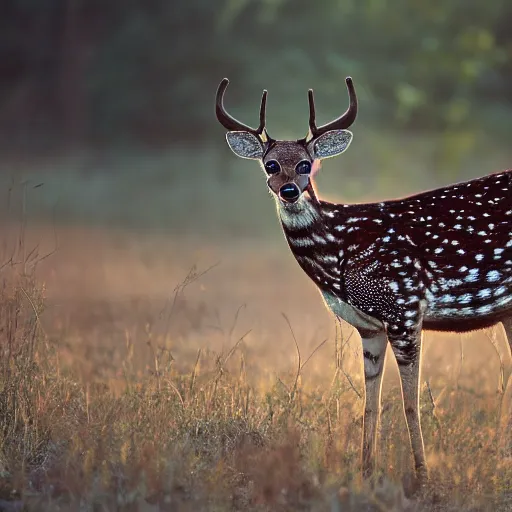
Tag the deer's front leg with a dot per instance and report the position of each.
(407, 350)
(374, 351)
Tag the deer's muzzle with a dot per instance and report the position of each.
(289, 192)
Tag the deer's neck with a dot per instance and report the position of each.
(308, 228)
(304, 215)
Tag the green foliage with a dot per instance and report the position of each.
(138, 72)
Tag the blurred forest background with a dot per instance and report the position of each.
(92, 73)
(109, 104)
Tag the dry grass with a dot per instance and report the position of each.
(203, 434)
(115, 395)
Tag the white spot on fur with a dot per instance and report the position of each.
(484, 293)
(465, 299)
(394, 286)
(493, 276)
(302, 242)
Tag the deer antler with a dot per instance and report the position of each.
(232, 124)
(342, 122)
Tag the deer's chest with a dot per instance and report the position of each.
(324, 270)
(352, 315)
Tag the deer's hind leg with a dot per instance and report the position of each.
(407, 350)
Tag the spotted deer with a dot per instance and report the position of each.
(439, 260)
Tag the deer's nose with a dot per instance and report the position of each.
(289, 192)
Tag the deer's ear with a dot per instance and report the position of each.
(331, 143)
(245, 145)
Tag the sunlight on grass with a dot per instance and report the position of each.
(205, 435)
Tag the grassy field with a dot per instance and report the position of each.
(112, 405)
(194, 367)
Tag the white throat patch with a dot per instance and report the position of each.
(298, 215)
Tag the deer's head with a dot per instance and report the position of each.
(288, 164)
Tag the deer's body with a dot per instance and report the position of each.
(442, 258)
(439, 260)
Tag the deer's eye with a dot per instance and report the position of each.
(303, 167)
(272, 167)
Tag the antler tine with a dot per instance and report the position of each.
(228, 121)
(312, 112)
(263, 110)
(340, 123)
